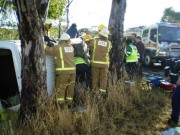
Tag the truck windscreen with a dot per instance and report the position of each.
(169, 34)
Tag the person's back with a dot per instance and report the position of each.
(72, 31)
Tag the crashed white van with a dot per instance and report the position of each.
(10, 74)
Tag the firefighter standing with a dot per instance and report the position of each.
(100, 61)
(131, 53)
(65, 69)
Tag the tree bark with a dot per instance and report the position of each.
(31, 15)
(116, 27)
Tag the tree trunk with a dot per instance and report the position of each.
(116, 27)
(31, 16)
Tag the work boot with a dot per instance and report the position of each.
(172, 122)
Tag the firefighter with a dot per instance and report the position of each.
(100, 61)
(131, 58)
(65, 69)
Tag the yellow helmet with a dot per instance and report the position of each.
(47, 26)
(100, 27)
(87, 37)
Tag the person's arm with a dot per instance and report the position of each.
(50, 50)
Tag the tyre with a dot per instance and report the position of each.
(147, 60)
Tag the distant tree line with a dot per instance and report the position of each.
(170, 15)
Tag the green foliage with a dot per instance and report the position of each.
(8, 34)
(8, 12)
(171, 16)
(56, 8)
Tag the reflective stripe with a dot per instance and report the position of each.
(107, 57)
(94, 50)
(61, 56)
(102, 90)
(61, 69)
(100, 62)
(60, 99)
(168, 90)
(131, 61)
(69, 98)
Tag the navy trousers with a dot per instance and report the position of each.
(176, 103)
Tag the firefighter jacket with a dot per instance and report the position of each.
(63, 57)
(132, 54)
(100, 52)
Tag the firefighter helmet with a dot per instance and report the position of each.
(104, 32)
(87, 37)
(64, 36)
(100, 27)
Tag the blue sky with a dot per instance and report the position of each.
(87, 13)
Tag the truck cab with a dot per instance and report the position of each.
(162, 41)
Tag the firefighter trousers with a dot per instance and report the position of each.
(99, 78)
(65, 87)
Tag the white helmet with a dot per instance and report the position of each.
(64, 36)
(104, 32)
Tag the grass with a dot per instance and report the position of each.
(126, 111)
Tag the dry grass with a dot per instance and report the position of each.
(126, 111)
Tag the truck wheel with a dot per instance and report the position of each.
(147, 59)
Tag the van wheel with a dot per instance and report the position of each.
(147, 59)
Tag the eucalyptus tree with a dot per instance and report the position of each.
(31, 15)
(116, 27)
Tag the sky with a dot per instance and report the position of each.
(87, 13)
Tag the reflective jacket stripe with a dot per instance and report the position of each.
(69, 98)
(102, 90)
(61, 69)
(61, 56)
(60, 99)
(94, 50)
